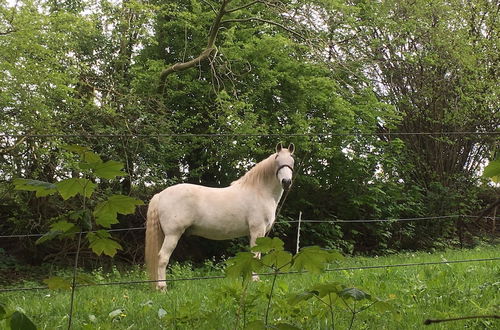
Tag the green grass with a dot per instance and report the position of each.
(416, 293)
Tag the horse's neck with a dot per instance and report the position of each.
(273, 191)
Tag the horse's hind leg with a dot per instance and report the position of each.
(168, 246)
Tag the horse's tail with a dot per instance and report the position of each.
(154, 239)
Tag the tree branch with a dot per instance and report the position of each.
(214, 29)
(212, 36)
(6, 150)
(263, 21)
(243, 6)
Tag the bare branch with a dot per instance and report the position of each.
(248, 19)
(212, 36)
(243, 6)
(9, 149)
(185, 65)
(211, 6)
(214, 29)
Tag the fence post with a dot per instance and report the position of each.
(298, 233)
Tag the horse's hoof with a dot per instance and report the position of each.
(161, 288)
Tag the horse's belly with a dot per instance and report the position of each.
(218, 231)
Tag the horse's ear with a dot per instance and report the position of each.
(291, 148)
(279, 146)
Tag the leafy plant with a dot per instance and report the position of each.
(492, 171)
(276, 260)
(333, 294)
(15, 319)
(91, 170)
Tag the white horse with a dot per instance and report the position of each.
(246, 208)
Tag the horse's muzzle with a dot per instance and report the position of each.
(286, 183)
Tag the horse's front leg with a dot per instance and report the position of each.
(256, 232)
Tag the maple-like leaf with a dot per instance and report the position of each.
(243, 265)
(71, 187)
(41, 188)
(314, 259)
(106, 212)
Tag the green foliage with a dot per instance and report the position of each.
(492, 171)
(19, 321)
(15, 319)
(101, 242)
(276, 259)
(42, 188)
(243, 265)
(334, 294)
(314, 259)
(105, 213)
(56, 282)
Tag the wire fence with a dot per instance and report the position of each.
(214, 277)
(234, 134)
(389, 220)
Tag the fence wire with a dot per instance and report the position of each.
(216, 135)
(389, 220)
(430, 263)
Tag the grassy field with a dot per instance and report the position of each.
(414, 293)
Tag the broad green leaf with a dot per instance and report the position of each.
(71, 187)
(493, 170)
(267, 244)
(57, 282)
(42, 188)
(85, 154)
(100, 243)
(243, 265)
(106, 219)
(106, 212)
(98, 234)
(19, 321)
(109, 170)
(62, 226)
(48, 236)
(325, 289)
(354, 293)
(278, 260)
(84, 279)
(314, 259)
(301, 296)
(76, 148)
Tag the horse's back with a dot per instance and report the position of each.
(214, 213)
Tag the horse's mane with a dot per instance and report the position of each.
(259, 173)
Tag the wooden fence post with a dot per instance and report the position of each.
(298, 233)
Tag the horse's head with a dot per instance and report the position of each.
(284, 165)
